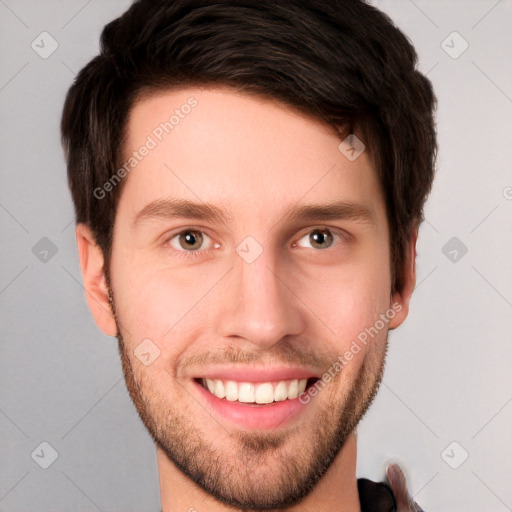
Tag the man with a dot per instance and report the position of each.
(249, 178)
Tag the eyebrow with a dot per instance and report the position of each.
(184, 208)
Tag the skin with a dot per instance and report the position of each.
(297, 304)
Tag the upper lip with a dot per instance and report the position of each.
(247, 373)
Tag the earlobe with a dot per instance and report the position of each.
(96, 291)
(400, 299)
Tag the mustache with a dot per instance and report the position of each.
(285, 353)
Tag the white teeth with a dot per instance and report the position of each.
(211, 385)
(264, 393)
(281, 392)
(293, 390)
(231, 391)
(256, 392)
(246, 392)
(219, 389)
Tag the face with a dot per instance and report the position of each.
(249, 251)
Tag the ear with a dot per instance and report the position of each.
(400, 299)
(96, 291)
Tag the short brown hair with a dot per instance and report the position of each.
(343, 62)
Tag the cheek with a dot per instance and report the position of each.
(160, 304)
(142, 300)
(348, 300)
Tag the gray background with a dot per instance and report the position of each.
(448, 377)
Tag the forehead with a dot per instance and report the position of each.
(248, 153)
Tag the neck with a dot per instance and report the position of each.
(337, 490)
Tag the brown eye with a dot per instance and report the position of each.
(319, 238)
(189, 240)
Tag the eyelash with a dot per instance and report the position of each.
(198, 252)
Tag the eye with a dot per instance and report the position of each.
(318, 238)
(190, 240)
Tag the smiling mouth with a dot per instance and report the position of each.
(256, 393)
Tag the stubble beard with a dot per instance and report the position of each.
(260, 470)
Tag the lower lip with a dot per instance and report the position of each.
(251, 416)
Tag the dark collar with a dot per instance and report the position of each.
(375, 496)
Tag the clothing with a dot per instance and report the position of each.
(389, 496)
(379, 497)
(375, 496)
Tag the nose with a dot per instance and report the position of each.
(260, 303)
